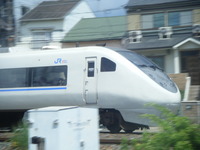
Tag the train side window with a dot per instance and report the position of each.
(107, 65)
(50, 76)
(15, 77)
(33, 77)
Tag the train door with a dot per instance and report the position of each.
(90, 83)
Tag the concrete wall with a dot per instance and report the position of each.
(133, 22)
(191, 110)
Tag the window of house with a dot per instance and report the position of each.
(158, 20)
(40, 39)
(24, 10)
(180, 18)
(172, 19)
(153, 20)
(147, 21)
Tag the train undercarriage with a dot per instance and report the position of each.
(113, 120)
(9, 119)
(110, 118)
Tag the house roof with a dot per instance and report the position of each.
(93, 29)
(146, 5)
(50, 10)
(151, 41)
(151, 2)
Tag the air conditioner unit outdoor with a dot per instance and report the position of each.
(165, 32)
(134, 36)
(196, 30)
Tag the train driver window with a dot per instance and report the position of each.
(107, 65)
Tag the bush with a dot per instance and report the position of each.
(176, 133)
(19, 141)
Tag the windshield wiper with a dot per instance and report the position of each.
(156, 67)
(150, 66)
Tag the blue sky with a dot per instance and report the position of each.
(108, 8)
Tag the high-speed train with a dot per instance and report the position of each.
(118, 82)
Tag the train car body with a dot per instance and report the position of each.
(118, 82)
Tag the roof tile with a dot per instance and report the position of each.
(91, 29)
(49, 10)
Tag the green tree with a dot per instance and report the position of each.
(176, 133)
(19, 140)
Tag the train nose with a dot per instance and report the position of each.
(174, 102)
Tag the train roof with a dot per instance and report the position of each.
(12, 51)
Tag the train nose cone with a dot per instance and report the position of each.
(174, 102)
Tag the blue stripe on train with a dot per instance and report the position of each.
(33, 89)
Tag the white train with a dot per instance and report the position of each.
(118, 82)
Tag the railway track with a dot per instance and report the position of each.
(5, 136)
(107, 141)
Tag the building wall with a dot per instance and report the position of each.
(196, 14)
(58, 28)
(172, 57)
(191, 109)
(6, 24)
(133, 22)
(28, 27)
(17, 9)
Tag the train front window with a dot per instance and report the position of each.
(150, 69)
(138, 60)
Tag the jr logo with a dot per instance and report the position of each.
(60, 61)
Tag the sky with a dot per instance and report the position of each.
(108, 8)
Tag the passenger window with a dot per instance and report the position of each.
(50, 76)
(107, 65)
(91, 69)
(33, 77)
(11, 78)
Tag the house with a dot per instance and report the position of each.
(47, 23)
(168, 32)
(10, 13)
(97, 31)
